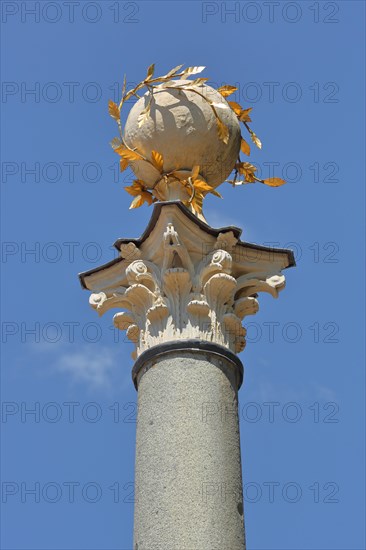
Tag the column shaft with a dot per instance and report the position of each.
(188, 468)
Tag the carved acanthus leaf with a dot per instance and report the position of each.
(247, 285)
(129, 251)
(226, 241)
(171, 292)
(103, 301)
(246, 306)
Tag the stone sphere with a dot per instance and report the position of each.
(182, 127)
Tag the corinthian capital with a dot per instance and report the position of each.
(185, 280)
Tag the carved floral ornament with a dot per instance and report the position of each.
(177, 295)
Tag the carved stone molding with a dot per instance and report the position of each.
(185, 280)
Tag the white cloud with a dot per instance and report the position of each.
(264, 390)
(89, 365)
(98, 368)
(325, 393)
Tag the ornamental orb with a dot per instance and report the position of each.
(184, 127)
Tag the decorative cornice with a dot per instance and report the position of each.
(185, 280)
(83, 276)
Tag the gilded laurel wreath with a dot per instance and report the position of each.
(196, 187)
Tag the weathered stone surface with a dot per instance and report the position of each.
(188, 485)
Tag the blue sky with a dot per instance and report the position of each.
(300, 66)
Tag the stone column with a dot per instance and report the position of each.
(188, 473)
(186, 288)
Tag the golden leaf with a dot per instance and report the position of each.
(245, 147)
(256, 140)
(201, 185)
(195, 172)
(173, 71)
(145, 113)
(113, 110)
(132, 92)
(137, 202)
(227, 90)
(198, 81)
(150, 72)
(119, 148)
(236, 107)
(244, 115)
(216, 193)
(157, 161)
(123, 93)
(191, 70)
(143, 116)
(222, 130)
(132, 191)
(147, 197)
(124, 86)
(123, 163)
(128, 154)
(247, 170)
(240, 166)
(274, 182)
(197, 202)
(137, 188)
(249, 177)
